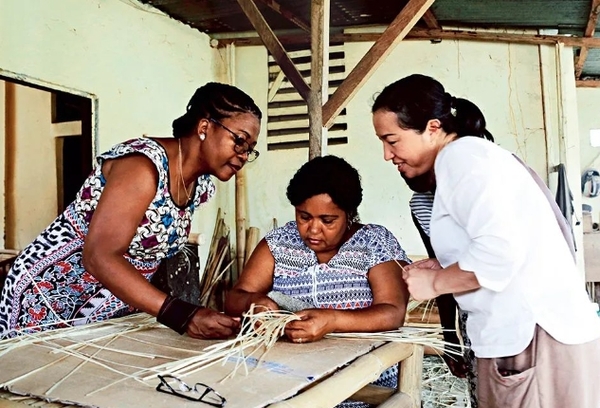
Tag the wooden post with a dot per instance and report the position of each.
(240, 219)
(411, 375)
(319, 73)
(362, 371)
(252, 238)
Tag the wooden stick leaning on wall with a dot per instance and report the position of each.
(240, 220)
(252, 238)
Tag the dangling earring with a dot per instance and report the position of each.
(349, 221)
(202, 136)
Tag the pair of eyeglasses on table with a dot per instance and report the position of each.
(170, 384)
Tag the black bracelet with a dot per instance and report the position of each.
(176, 313)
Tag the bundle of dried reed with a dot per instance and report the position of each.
(216, 279)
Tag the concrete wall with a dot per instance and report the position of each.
(139, 66)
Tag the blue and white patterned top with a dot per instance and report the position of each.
(340, 283)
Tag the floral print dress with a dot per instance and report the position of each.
(341, 283)
(48, 287)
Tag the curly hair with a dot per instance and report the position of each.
(329, 175)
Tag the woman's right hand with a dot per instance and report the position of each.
(209, 324)
(263, 303)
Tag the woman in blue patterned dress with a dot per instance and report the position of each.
(347, 271)
(94, 262)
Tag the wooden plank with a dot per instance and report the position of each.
(394, 33)
(299, 123)
(589, 32)
(373, 394)
(362, 371)
(398, 400)
(428, 34)
(306, 52)
(430, 20)
(338, 76)
(339, 62)
(303, 136)
(411, 374)
(294, 96)
(62, 129)
(274, 46)
(285, 13)
(587, 84)
(275, 85)
(590, 28)
(319, 70)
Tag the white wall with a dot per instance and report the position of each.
(141, 66)
(502, 79)
(588, 101)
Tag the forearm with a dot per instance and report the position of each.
(380, 317)
(454, 280)
(239, 301)
(126, 283)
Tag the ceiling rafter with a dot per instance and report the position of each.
(430, 20)
(589, 32)
(269, 39)
(285, 13)
(587, 84)
(244, 39)
(393, 34)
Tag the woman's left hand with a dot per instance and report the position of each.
(420, 283)
(314, 324)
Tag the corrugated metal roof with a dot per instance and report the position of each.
(226, 16)
(515, 13)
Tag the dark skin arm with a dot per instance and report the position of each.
(131, 184)
(390, 297)
(254, 283)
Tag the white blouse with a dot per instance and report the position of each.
(490, 217)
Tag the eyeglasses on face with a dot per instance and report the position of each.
(240, 146)
(170, 384)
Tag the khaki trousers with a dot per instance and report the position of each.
(547, 374)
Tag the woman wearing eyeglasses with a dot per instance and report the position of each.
(94, 262)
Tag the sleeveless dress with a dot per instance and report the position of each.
(48, 287)
(340, 283)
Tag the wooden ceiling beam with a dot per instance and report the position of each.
(422, 34)
(587, 84)
(430, 20)
(393, 34)
(589, 32)
(288, 15)
(269, 39)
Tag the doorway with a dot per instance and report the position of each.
(46, 149)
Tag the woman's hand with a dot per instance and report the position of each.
(420, 282)
(312, 326)
(263, 303)
(208, 324)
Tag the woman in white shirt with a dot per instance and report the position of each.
(499, 249)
